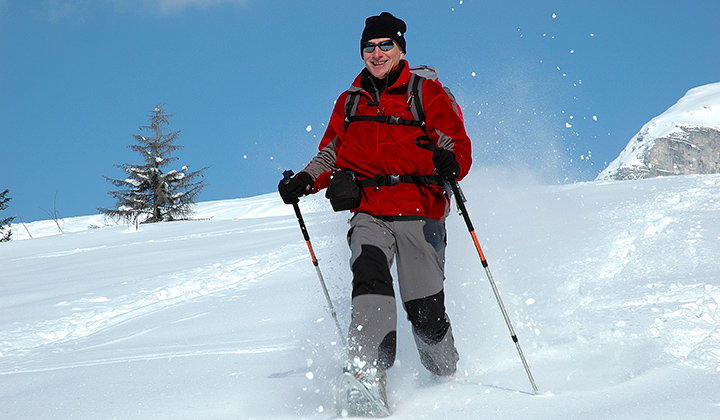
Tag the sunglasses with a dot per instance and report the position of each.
(369, 47)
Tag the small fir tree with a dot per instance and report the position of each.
(5, 231)
(150, 193)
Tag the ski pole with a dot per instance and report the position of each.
(286, 178)
(460, 199)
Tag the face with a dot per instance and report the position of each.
(380, 62)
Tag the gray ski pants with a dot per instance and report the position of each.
(417, 245)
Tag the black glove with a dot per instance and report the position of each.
(446, 164)
(294, 188)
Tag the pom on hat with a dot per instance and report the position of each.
(384, 26)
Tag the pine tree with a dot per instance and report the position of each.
(5, 231)
(149, 193)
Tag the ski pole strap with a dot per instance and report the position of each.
(425, 143)
(389, 180)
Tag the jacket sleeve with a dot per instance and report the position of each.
(325, 162)
(445, 126)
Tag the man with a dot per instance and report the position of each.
(401, 213)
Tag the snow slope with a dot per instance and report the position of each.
(700, 107)
(613, 289)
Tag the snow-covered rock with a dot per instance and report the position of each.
(683, 140)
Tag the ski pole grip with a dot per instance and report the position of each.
(287, 175)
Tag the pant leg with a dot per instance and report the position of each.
(372, 333)
(421, 260)
(433, 334)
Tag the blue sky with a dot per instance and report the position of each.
(557, 88)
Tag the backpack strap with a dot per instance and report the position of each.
(414, 102)
(351, 104)
(418, 75)
(415, 98)
(390, 180)
(415, 91)
(387, 119)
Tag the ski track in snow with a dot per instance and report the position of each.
(253, 348)
(90, 315)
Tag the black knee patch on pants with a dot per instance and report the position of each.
(427, 316)
(386, 351)
(371, 274)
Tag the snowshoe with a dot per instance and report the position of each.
(362, 395)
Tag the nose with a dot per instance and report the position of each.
(377, 52)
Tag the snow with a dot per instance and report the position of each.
(698, 107)
(613, 289)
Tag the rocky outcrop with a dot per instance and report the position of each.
(683, 140)
(692, 150)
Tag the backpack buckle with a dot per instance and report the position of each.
(393, 179)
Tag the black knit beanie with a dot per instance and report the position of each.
(384, 26)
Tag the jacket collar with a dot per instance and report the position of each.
(402, 80)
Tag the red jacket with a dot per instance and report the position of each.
(370, 147)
